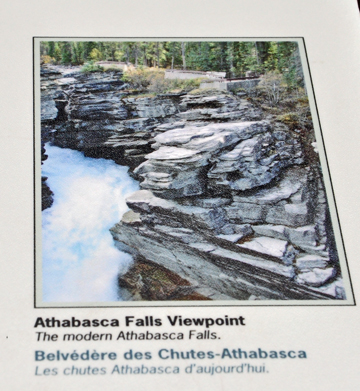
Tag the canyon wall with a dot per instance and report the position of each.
(232, 204)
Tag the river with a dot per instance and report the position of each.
(79, 260)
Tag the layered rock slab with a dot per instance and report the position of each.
(234, 191)
(180, 165)
(217, 179)
(204, 264)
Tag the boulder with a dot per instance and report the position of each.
(310, 261)
(253, 162)
(316, 277)
(152, 107)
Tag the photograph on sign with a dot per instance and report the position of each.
(182, 171)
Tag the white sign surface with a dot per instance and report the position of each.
(65, 327)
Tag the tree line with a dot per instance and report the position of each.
(235, 57)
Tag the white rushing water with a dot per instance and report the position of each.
(79, 260)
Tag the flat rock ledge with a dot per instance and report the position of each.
(260, 267)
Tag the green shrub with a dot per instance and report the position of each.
(303, 101)
(140, 78)
(91, 67)
(271, 85)
(46, 60)
(112, 69)
(158, 84)
(153, 80)
(95, 55)
(185, 84)
(289, 118)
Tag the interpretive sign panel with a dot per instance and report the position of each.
(180, 184)
(193, 187)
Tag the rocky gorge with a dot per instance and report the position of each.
(231, 205)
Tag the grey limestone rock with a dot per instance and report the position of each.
(310, 261)
(229, 202)
(277, 204)
(152, 107)
(253, 162)
(273, 248)
(181, 155)
(316, 277)
(48, 108)
(144, 201)
(173, 172)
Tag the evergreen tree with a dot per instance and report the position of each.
(234, 57)
(51, 49)
(183, 45)
(77, 51)
(65, 53)
(57, 52)
(88, 47)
